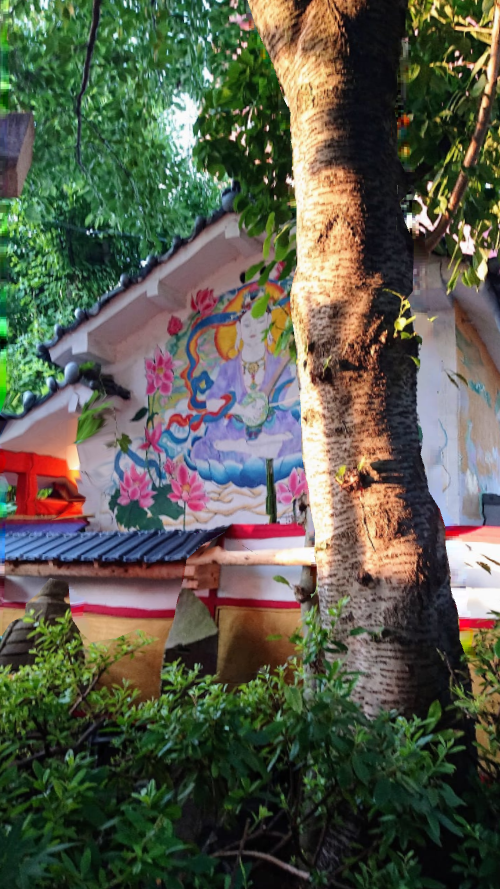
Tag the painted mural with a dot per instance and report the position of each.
(479, 425)
(222, 420)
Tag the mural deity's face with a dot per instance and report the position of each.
(252, 329)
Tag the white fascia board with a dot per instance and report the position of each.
(166, 288)
(48, 428)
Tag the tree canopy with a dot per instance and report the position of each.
(244, 127)
(112, 178)
(111, 182)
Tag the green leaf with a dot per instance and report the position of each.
(260, 305)
(132, 516)
(266, 247)
(293, 697)
(124, 442)
(270, 223)
(88, 426)
(484, 566)
(113, 500)
(434, 714)
(164, 506)
(434, 828)
(85, 862)
(280, 579)
(382, 792)
(252, 271)
(449, 824)
(141, 413)
(361, 770)
(479, 86)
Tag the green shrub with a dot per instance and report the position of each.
(191, 790)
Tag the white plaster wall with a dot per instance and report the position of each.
(97, 460)
(256, 582)
(437, 405)
(150, 595)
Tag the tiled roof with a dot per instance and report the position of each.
(105, 384)
(30, 400)
(126, 281)
(107, 546)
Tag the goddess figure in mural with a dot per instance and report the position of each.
(222, 407)
(251, 412)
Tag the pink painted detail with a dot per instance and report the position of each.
(187, 488)
(174, 325)
(159, 373)
(170, 468)
(292, 489)
(204, 302)
(278, 268)
(152, 437)
(136, 486)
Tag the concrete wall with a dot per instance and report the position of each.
(437, 405)
(479, 420)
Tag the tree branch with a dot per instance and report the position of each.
(55, 751)
(115, 157)
(96, 14)
(432, 239)
(263, 856)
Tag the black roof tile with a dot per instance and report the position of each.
(126, 281)
(108, 546)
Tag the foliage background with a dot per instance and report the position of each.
(99, 791)
(138, 183)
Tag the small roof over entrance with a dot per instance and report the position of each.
(149, 547)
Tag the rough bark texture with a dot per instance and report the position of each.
(379, 536)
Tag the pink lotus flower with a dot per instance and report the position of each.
(203, 302)
(170, 468)
(174, 325)
(289, 491)
(152, 437)
(159, 373)
(187, 488)
(136, 486)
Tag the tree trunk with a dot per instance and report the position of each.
(380, 539)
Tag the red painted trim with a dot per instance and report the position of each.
(256, 603)
(110, 611)
(263, 532)
(87, 608)
(40, 522)
(211, 601)
(481, 534)
(466, 623)
(475, 623)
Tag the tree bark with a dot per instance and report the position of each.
(380, 539)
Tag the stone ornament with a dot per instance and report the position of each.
(17, 644)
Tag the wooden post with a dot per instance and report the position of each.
(17, 134)
(27, 489)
